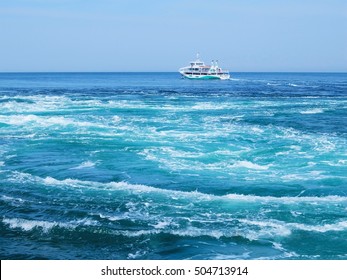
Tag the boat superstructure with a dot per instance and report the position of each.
(198, 70)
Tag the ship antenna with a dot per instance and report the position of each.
(197, 56)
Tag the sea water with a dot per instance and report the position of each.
(152, 166)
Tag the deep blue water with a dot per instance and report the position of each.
(151, 166)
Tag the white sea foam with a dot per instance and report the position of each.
(28, 225)
(324, 144)
(30, 107)
(286, 254)
(13, 200)
(250, 165)
(172, 152)
(257, 130)
(116, 119)
(86, 164)
(129, 233)
(175, 160)
(111, 218)
(312, 111)
(339, 226)
(139, 188)
(170, 158)
(44, 226)
(295, 147)
(137, 254)
(218, 256)
(196, 232)
(321, 143)
(189, 231)
(21, 177)
(340, 162)
(288, 200)
(272, 228)
(65, 183)
(211, 106)
(18, 119)
(250, 229)
(312, 175)
(43, 121)
(273, 84)
(269, 228)
(282, 153)
(162, 224)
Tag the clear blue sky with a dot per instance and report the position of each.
(163, 35)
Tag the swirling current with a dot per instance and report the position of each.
(152, 166)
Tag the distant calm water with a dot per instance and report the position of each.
(151, 166)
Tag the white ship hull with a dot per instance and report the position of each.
(205, 77)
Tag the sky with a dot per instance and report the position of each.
(158, 35)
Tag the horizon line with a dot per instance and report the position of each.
(276, 71)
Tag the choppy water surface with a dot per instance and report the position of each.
(150, 166)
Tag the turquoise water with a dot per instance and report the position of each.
(151, 166)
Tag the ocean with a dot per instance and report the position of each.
(152, 166)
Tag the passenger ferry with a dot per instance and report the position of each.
(197, 70)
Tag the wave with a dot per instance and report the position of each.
(273, 229)
(312, 111)
(20, 177)
(288, 199)
(86, 164)
(38, 103)
(43, 121)
(249, 229)
(273, 84)
(44, 226)
(15, 201)
(186, 214)
(340, 162)
(339, 226)
(250, 165)
(211, 106)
